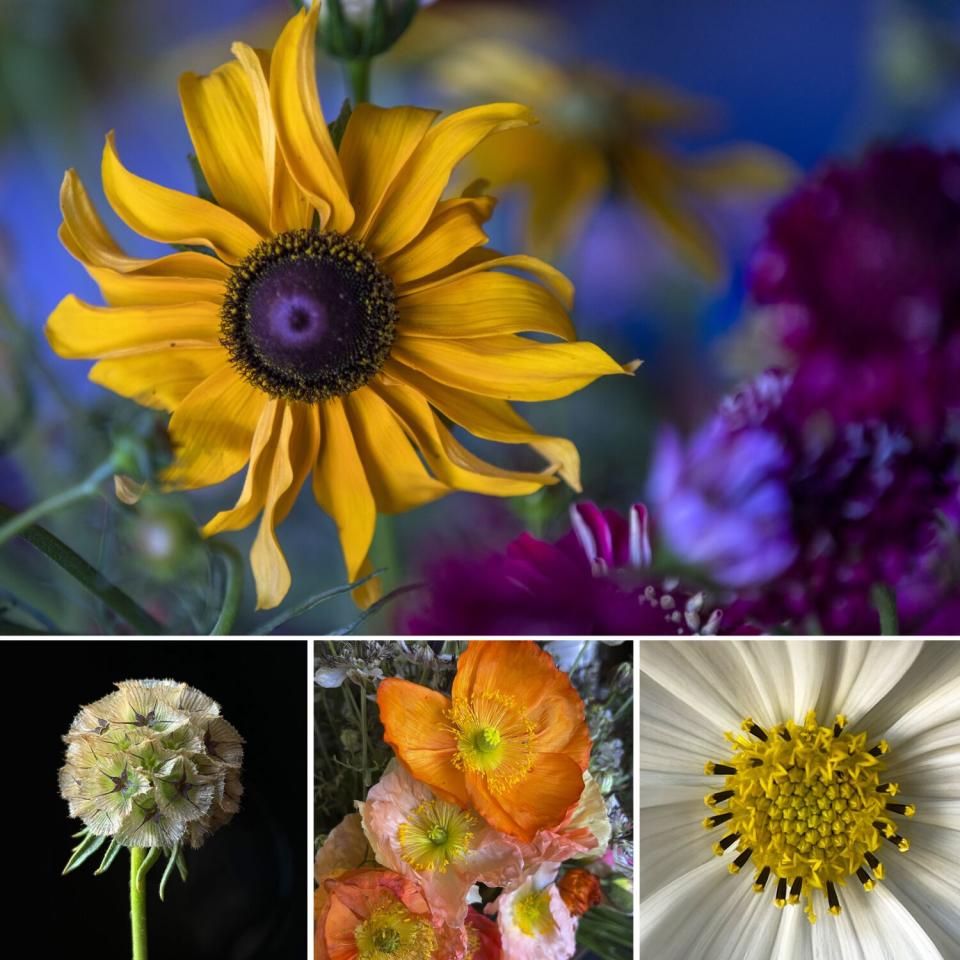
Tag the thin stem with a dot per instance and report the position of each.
(88, 577)
(233, 591)
(82, 491)
(364, 734)
(358, 78)
(138, 906)
(576, 659)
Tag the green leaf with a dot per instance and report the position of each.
(374, 608)
(338, 127)
(108, 858)
(308, 605)
(168, 869)
(86, 848)
(148, 861)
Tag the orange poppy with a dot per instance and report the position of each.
(511, 741)
(367, 913)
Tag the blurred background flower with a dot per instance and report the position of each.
(666, 134)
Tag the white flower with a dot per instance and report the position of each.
(903, 693)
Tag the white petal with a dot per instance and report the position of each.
(930, 891)
(672, 842)
(708, 914)
(724, 681)
(874, 925)
(862, 672)
(925, 697)
(928, 765)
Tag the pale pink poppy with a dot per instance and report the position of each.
(445, 849)
(534, 922)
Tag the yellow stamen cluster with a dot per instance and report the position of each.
(531, 914)
(806, 804)
(392, 932)
(436, 834)
(494, 739)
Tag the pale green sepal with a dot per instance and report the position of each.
(168, 869)
(148, 861)
(108, 858)
(87, 847)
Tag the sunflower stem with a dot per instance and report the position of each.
(138, 905)
(358, 79)
(82, 491)
(87, 576)
(885, 603)
(233, 591)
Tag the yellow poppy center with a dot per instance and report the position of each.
(531, 914)
(435, 835)
(494, 739)
(392, 932)
(308, 316)
(807, 805)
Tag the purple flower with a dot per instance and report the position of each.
(861, 267)
(806, 515)
(595, 580)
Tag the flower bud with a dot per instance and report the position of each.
(579, 890)
(152, 765)
(360, 29)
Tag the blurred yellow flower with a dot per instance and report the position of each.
(600, 132)
(345, 310)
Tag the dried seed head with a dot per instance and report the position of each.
(152, 765)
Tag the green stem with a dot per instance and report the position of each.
(885, 603)
(138, 906)
(358, 78)
(364, 734)
(88, 577)
(233, 590)
(82, 491)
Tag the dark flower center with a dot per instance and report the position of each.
(308, 316)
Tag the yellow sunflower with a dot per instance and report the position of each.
(338, 315)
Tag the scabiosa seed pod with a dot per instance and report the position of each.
(152, 765)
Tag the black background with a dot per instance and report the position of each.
(246, 895)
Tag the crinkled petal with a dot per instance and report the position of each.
(418, 186)
(301, 128)
(170, 216)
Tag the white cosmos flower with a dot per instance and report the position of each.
(903, 692)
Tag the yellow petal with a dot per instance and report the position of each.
(740, 168)
(376, 144)
(221, 115)
(304, 449)
(270, 571)
(451, 462)
(254, 493)
(289, 209)
(211, 431)
(161, 377)
(143, 289)
(455, 227)
(341, 488)
(482, 259)
(655, 181)
(417, 188)
(398, 479)
(301, 128)
(170, 216)
(77, 329)
(88, 240)
(510, 368)
(484, 305)
(491, 419)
